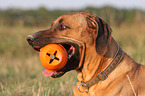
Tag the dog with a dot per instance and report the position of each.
(104, 69)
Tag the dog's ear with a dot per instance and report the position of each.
(91, 22)
(101, 31)
(92, 26)
(103, 37)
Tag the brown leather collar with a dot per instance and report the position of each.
(104, 74)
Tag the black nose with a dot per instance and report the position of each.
(30, 39)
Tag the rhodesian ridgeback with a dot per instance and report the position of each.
(104, 69)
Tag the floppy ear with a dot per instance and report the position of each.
(103, 37)
(92, 25)
(101, 31)
(91, 22)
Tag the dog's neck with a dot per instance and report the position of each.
(95, 63)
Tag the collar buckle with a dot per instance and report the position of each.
(102, 75)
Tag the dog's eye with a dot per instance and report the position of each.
(62, 27)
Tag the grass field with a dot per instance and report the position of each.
(21, 71)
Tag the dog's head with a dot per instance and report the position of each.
(74, 31)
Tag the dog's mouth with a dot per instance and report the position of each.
(72, 63)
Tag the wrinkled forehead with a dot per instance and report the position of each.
(75, 19)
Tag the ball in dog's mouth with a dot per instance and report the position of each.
(70, 51)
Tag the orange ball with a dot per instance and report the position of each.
(53, 57)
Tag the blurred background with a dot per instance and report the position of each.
(20, 67)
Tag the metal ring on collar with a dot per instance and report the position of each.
(83, 85)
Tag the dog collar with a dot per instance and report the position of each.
(103, 74)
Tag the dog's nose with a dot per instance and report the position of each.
(30, 39)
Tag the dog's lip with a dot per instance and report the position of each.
(57, 74)
(53, 74)
(37, 48)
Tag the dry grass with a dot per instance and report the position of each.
(20, 68)
(22, 77)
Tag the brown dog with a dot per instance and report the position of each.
(104, 69)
